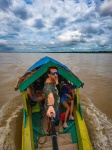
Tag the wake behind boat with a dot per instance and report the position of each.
(34, 127)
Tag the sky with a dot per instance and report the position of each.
(55, 25)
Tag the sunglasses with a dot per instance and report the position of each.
(53, 73)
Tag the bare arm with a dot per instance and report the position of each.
(73, 93)
(69, 96)
(29, 92)
(50, 99)
(57, 82)
(50, 105)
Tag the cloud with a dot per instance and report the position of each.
(91, 30)
(2, 41)
(39, 24)
(60, 22)
(106, 9)
(32, 25)
(5, 48)
(21, 13)
(5, 4)
(70, 36)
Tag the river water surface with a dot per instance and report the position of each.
(95, 70)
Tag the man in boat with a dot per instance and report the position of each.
(52, 99)
(67, 100)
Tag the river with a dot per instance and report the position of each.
(94, 69)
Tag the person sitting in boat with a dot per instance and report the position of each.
(67, 100)
(35, 92)
(52, 99)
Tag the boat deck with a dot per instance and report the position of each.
(64, 142)
(64, 139)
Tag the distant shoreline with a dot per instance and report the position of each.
(61, 52)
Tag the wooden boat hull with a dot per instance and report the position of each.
(32, 129)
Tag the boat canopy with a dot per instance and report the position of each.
(40, 68)
(43, 61)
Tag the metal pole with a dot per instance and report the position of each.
(54, 135)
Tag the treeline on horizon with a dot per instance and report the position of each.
(61, 52)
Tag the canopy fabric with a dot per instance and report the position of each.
(43, 61)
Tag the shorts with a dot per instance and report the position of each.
(57, 118)
(64, 99)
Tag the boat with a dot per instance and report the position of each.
(34, 135)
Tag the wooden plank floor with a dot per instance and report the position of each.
(64, 140)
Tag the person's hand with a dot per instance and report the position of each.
(50, 111)
(56, 80)
(69, 96)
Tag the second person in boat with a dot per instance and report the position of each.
(67, 100)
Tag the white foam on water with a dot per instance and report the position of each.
(6, 133)
(99, 126)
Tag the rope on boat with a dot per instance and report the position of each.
(42, 143)
(53, 135)
(45, 139)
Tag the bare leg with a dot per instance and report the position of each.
(71, 107)
(65, 104)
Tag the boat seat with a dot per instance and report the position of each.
(36, 108)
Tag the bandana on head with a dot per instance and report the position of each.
(68, 87)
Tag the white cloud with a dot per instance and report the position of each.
(45, 22)
(51, 42)
(3, 41)
(70, 36)
(106, 8)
